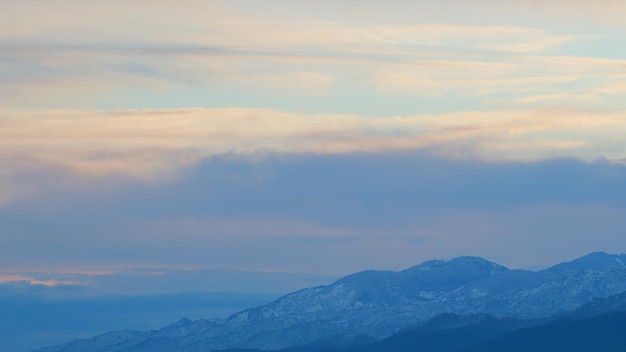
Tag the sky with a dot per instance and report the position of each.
(299, 141)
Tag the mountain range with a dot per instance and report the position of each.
(597, 326)
(373, 305)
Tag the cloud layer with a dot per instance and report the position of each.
(311, 136)
(331, 214)
(151, 143)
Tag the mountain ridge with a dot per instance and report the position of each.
(381, 303)
(455, 333)
(597, 323)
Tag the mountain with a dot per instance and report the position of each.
(596, 260)
(599, 333)
(598, 306)
(597, 326)
(381, 303)
(447, 333)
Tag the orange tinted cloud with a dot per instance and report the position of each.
(149, 143)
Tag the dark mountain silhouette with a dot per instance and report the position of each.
(606, 333)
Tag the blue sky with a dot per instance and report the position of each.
(306, 138)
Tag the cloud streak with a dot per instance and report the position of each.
(157, 143)
(46, 64)
(12, 278)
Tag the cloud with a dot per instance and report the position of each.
(140, 75)
(326, 213)
(49, 61)
(263, 133)
(61, 284)
(598, 92)
(481, 78)
(356, 37)
(604, 12)
(466, 79)
(238, 25)
(157, 144)
(13, 278)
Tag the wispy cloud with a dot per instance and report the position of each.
(59, 60)
(155, 145)
(8, 278)
(145, 143)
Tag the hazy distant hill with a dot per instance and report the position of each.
(380, 303)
